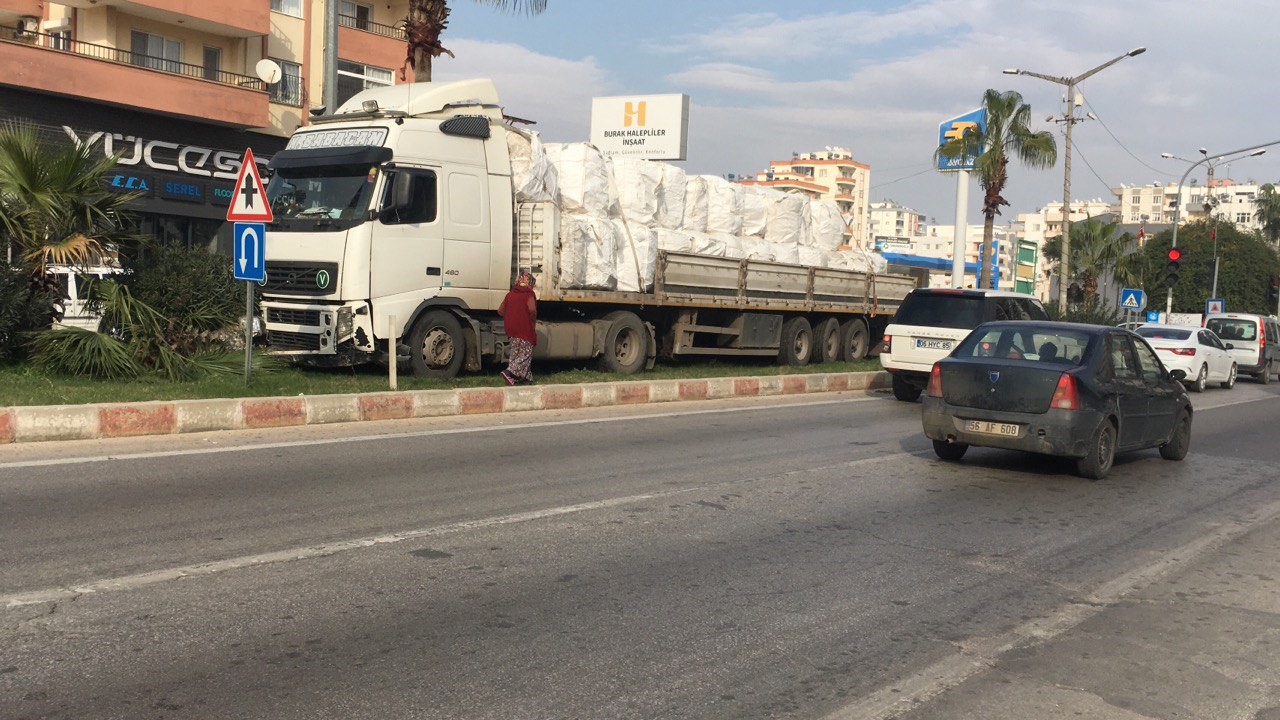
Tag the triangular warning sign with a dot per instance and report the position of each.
(1131, 301)
(249, 199)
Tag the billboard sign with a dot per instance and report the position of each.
(653, 127)
(956, 127)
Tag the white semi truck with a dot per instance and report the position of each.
(397, 225)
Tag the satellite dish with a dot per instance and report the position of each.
(269, 71)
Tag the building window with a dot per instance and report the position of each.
(60, 40)
(288, 7)
(354, 77)
(155, 51)
(288, 91)
(1243, 217)
(353, 14)
(212, 63)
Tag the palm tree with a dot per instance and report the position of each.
(428, 19)
(1007, 132)
(1268, 203)
(54, 205)
(1095, 251)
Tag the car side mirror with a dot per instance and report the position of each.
(1229, 346)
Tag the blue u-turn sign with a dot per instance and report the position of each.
(249, 259)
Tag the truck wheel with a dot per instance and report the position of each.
(826, 341)
(905, 391)
(436, 345)
(626, 344)
(855, 340)
(796, 347)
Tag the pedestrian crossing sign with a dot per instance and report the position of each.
(1133, 299)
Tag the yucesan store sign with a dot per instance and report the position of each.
(654, 127)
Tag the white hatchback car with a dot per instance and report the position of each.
(1193, 355)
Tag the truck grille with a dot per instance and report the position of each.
(286, 316)
(301, 278)
(281, 340)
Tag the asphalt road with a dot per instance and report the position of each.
(802, 557)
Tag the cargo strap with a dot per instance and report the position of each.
(873, 294)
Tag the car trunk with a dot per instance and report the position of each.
(1025, 387)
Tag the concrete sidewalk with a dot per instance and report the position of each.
(108, 420)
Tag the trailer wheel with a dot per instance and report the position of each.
(796, 347)
(626, 344)
(436, 345)
(826, 341)
(855, 340)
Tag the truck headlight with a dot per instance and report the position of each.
(345, 324)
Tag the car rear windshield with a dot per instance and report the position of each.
(1164, 333)
(945, 310)
(1066, 347)
(1234, 329)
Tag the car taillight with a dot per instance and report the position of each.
(1182, 351)
(887, 345)
(935, 382)
(1065, 396)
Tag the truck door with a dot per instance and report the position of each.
(407, 250)
(466, 228)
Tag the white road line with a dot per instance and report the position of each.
(976, 658)
(406, 435)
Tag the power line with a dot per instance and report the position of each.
(908, 177)
(1076, 148)
(1122, 145)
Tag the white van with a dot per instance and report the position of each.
(1254, 342)
(931, 321)
(74, 282)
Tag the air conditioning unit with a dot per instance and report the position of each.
(28, 24)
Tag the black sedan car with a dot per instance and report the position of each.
(1079, 391)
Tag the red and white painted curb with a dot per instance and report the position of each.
(108, 420)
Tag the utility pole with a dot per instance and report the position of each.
(329, 93)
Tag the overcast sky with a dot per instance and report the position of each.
(768, 78)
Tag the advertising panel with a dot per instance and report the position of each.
(653, 127)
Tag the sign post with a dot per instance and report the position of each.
(955, 128)
(250, 211)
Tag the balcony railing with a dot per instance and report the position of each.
(290, 90)
(391, 31)
(125, 57)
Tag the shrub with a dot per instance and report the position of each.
(193, 290)
(24, 307)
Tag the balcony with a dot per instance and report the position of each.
(371, 43)
(11, 10)
(53, 64)
(230, 18)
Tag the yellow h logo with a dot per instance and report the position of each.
(633, 114)
(958, 129)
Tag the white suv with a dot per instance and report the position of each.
(931, 321)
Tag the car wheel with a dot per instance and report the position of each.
(1231, 378)
(905, 391)
(1265, 377)
(1180, 442)
(1102, 452)
(1202, 379)
(949, 451)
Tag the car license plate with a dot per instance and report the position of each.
(933, 344)
(992, 428)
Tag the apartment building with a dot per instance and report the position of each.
(179, 88)
(1222, 198)
(831, 174)
(888, 219)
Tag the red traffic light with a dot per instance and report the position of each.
(1175, 254)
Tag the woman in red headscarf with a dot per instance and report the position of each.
(519, 311)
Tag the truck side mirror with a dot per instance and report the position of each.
(402, 191)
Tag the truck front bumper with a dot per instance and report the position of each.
(297, 330)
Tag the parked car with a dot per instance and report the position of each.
(931, 321)
(74, 283)
(1193, 355)
(1255, 341)
(1079, 391)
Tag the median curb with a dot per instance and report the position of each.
(167, 417)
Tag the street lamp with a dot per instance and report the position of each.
(1069, 118)
(1212, 163)
(1177, 209)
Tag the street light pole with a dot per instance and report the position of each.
(1070, 119)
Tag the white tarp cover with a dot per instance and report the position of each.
(695, 203)
(671, 197)
(588, 252)
(785, 223)
(755, 209)
(583, 176)
(638, 184)
(724, 206)
(532, 175)
(826, 225)
(637, 256)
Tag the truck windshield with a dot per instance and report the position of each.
(321, 198)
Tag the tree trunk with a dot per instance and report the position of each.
(427, 20)
(988, 250)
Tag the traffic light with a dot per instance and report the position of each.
(1273, 289)
(1171, 267)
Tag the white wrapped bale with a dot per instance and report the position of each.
(588, 252)
(724, 206)
(533, 177)
(863, 261)
(671, 196)
(826, 226)
(754, 248)
(755, 209)
(812, 256)
(695, 204)
(706, 244)
(637, 256)
(787, 253)
(637, 182)
(583, 177)
(785, 219)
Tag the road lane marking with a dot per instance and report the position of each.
(406, 435)
(975, 658)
